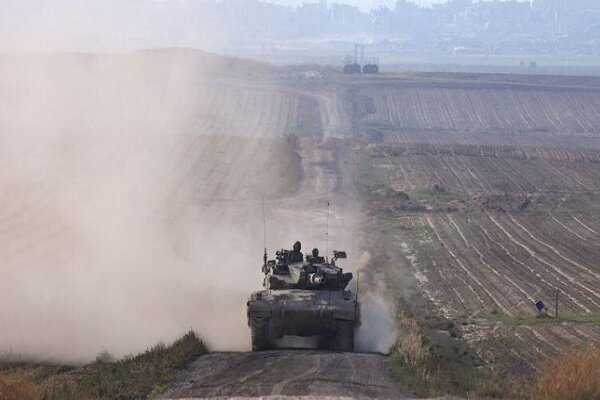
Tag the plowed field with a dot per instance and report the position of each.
(436, 109)
(491, 230)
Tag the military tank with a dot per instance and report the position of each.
(304, 296)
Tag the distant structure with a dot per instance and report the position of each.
(352, 65)
(530, 64)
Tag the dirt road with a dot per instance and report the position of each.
(292, 373)
(304, 373)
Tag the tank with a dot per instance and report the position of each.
(307, 298)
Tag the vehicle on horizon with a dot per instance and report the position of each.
(305, 297)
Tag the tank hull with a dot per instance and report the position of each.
(305, 313)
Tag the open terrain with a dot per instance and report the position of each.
(490, 233)
(490, 228)
(463, 198)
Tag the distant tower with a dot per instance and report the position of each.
(362, 54)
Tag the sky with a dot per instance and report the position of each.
(105, 25)
(362, 4)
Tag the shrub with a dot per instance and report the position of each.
(138, 376)
(412, 348)
(574, 376)
(5, 391)
(142, 376)
(20, 388)
(104, 357)
(411, 358)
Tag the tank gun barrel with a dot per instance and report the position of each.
(316, 279)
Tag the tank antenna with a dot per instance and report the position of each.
(356, 302)
(264, 234)
(327, 235)
(265, 268)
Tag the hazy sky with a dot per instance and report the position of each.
(104, 25)
(363, 4)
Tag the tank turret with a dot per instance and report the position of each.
(312, 274)
(303, 296)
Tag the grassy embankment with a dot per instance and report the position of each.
(142, 376)
(509, 320)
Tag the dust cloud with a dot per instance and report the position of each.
(378, 331)
(130, 189)
(112, 236)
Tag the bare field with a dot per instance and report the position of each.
(489, 231)
(438, 109)
(562, 176)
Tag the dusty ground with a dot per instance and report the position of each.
(289, 373)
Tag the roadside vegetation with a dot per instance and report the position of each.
(431, 357)
(142, 376)
(574, 376)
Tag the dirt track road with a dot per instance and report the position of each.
(292, 373)
(300, 373)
